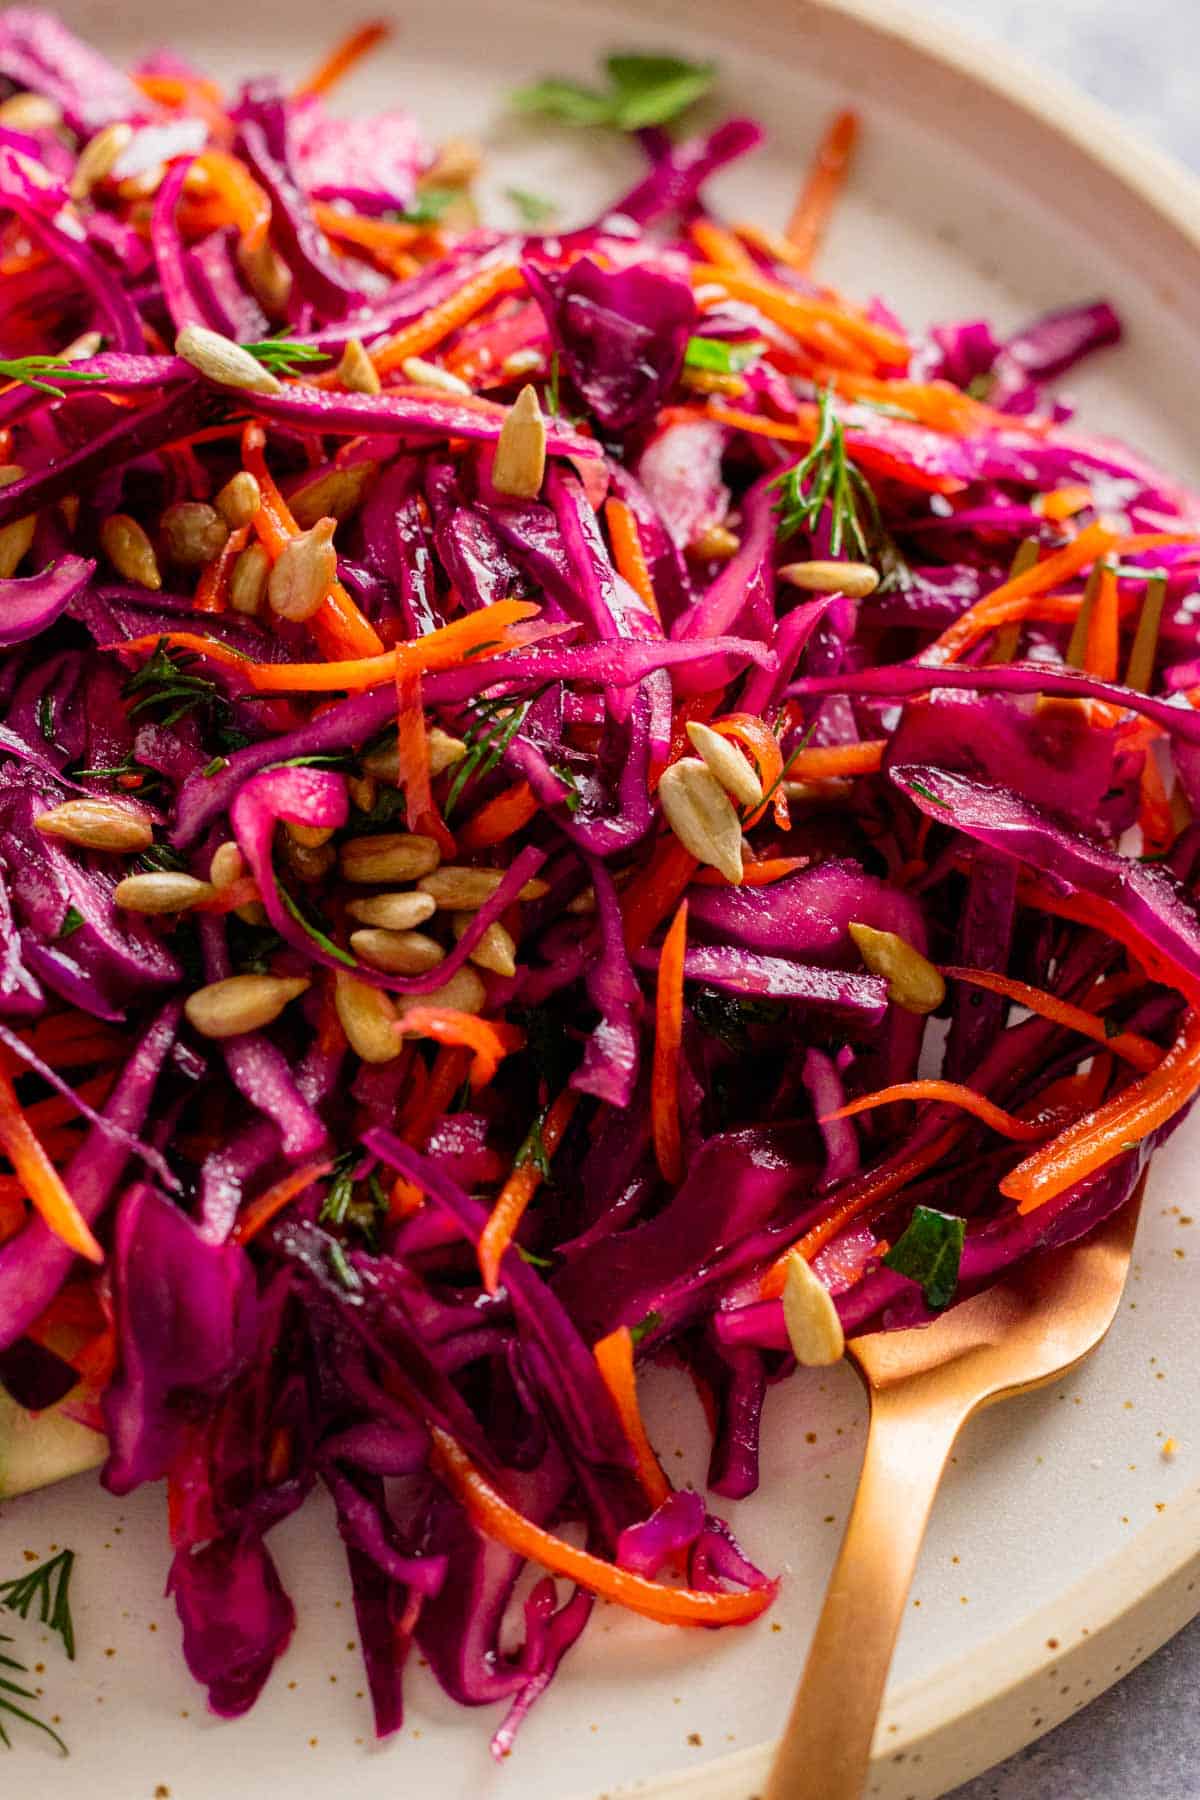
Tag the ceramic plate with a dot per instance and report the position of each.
(1062, 1545)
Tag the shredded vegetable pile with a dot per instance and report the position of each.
(568, 800)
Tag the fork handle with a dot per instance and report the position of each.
(825, 1750)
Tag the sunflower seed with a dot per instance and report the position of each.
(30, 112)
(444, 750)
(356, 372)
(456, 888)
(304, 572)
(813, 1327)
(496, 949)
(390, 856)
(193, 533)
(363, 791)
(522, 363)
(309, 863)
(393, 912)
(310, 836)
(16, 539)
(701, 815)
(227, 866)
(520, 463)
(98, 158)
(335, 494)
(86, 345)
(854, 579)
(457, 162)
(464, 992)
(431, 375)
(248, 580)
(367, 1017)
(161, 891)
(267, 276)
(239, 499)
(97, 825)
(716, 543)
(397, 952)
(241, 1003)
(222, 361)
(737, 776)
(913, 981)
(130, 551)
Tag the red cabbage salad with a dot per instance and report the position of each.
(568, 800)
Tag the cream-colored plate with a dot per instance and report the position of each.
(1063, 1546)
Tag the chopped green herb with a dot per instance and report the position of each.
(72, 920)
(34, 371)
(826, 477)
(315, 932)
(642, 90)
(495, 725)
(10, 1692)
(215, 766)
(251, 947)
(430, 206)
(49, 1585)
(342, 1267)
(722, 358)
(551, 1048)
(45, 716)
(166, 685)
(329, 759)
(980, 386)
(553, 399)
(644, 1327)
(570, 781)
(929, 1251)
(340, 1194)
(1132, 572)
(282, 355)
(534, 210)
(158, 856)
(534, 1261)
(917, 787)
(729, 1018)
(533, 1149)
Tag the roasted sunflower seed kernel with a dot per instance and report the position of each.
(583, 903)
(458, 162)
(522, 363)
(304, 572)
(716, 543)
(457, 888)
(30, 112)
(520, 462)
(16, 541)
(701, 815)
(496, 949)
(84, 347)
(97, 825)
(363, 791)
(220, 360)
(239, 499)
(813, 1326)
(161, 891)
(393, 912)
(310, 836)
(267, 276)
(737, 776)
(193, 533)
(130, 551)
(390, 856)
(241, 1003)
(227, 866)
(397, 952)
(854, 579)
(142, 186)
(248, 580)
(444, 751)
(98, 158)
(309, 863)
(431, 375)
(356, 372)
(384, 762)
(463, 992)
(335, 494)
(368, 1018)
(914, 983)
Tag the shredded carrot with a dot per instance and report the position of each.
(938, 404)
(655, 889)
(668, 1034)
(716, 245)
(406, 1199)
(500, 818)
(261, 1211)
(614, 1358)
(488, 1040)
(1093, 542)
(804, 430)
(763, 873)
(12, 1209)
(946, 1093)
(43, 1184)
(756, 736)
(389, 242)
(244, 203)
(449, 1071)
(825, 762)
(484, 633)
(700, 708)
(1156, 816)
(771, 244)
(212, 589)
(1120, 1124)
(628, 555)
(801, 313)
(439, 321)
(1102, 651)
(343, 57)
(412, 745)
(519, 1189)
(1064, 502)
(1108, 918)
(814, 207)
(494, 1518)
(1135, 1049)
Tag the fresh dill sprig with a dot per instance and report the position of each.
(166, 685)
(827, 477)
(340, 1194)
(282, 355)
(159, 857)
(34, 371)
(495, 725)
(11, 1691)
(533, 1149)
(49, 1585)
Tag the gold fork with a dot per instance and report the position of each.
(923, 1386)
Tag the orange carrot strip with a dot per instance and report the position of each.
(1105, 916)
(668, 1035)
(804, 430)
(1155, 813)
(1064, 502)
(261, 1211)
(247, 205)
(628, 555)
(483, 633)
(813, 208)
(1093, 542)
(772, 244)
(763, 873)
(439, 321)
(655, 889)
(614, 1358)
(756, 736)
(212, 589)
(823, 762)
(1090, 1142)
(12, 1209)
(945, 1093)
(500, 818)
(519, 1190)
(343, 57)
(1104, 629)
(43, 1183)
(494, 1518)
(800, 313)
(938, 404)
(489, 1040)
(716, 245)
(412, 744)
(443, 1081)
(1130, 1045)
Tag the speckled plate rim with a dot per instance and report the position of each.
(943, 1729)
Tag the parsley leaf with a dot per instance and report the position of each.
(929, 1251)
(72, 920)
(720, 357)
(642, 90)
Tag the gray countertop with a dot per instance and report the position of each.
(1141, 1740)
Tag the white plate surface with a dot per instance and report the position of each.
(1057, 1506)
